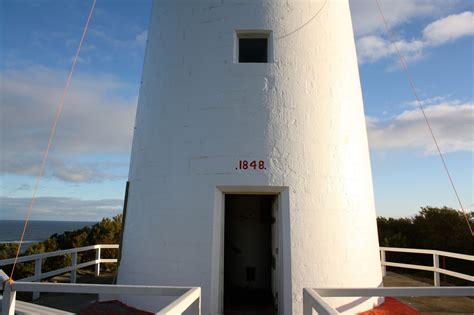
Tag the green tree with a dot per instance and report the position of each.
(443, 229)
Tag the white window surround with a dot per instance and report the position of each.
(252, 33)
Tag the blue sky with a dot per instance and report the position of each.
(87, 170)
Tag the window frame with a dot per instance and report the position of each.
(255, 34)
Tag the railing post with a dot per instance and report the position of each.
(383, 260)
(38, 263)
(436, 267)
(307, 307)
(74, 266)
(9, 300)
(97, 265)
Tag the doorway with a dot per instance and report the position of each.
(250, 254)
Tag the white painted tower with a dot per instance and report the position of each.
(226, 83)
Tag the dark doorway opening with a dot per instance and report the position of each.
(250, 255)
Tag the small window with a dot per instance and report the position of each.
(253, 47)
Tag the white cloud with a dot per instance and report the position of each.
(372, 48)
(139, 39)
(142, 37)
(76, 172)
(367, 20)
(96, 120)
(445, 99)
(67, 170)
(451, 123)
(450, 28)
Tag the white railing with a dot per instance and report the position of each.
(313, 298)
(38, 262)
(188, 298)
(39, 275)
(435, 268)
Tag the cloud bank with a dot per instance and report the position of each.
(367, 20)
(52, 208)
(451, 123)
(372, 48)
(373, 43)
(97, 120)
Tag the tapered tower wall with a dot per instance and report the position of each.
(200, 112)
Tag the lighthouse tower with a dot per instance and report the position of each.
(250, 173)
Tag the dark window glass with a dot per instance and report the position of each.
(253, 50)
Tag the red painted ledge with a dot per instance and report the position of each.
(392, 306)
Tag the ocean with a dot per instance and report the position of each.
(10, 230)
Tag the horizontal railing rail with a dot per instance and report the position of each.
(187, 297)
(21, 259)
(38, 262)
(435, 268)
(313, 298)
(428, 251)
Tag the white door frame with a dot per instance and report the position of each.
(284, 257)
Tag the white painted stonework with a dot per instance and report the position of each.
(200, 112)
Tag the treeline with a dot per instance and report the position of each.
(443, 229)
(432, 228)
(106, 231)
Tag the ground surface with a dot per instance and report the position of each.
(111, 307)
(424, 305)
(429, 305)
(73, 302)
